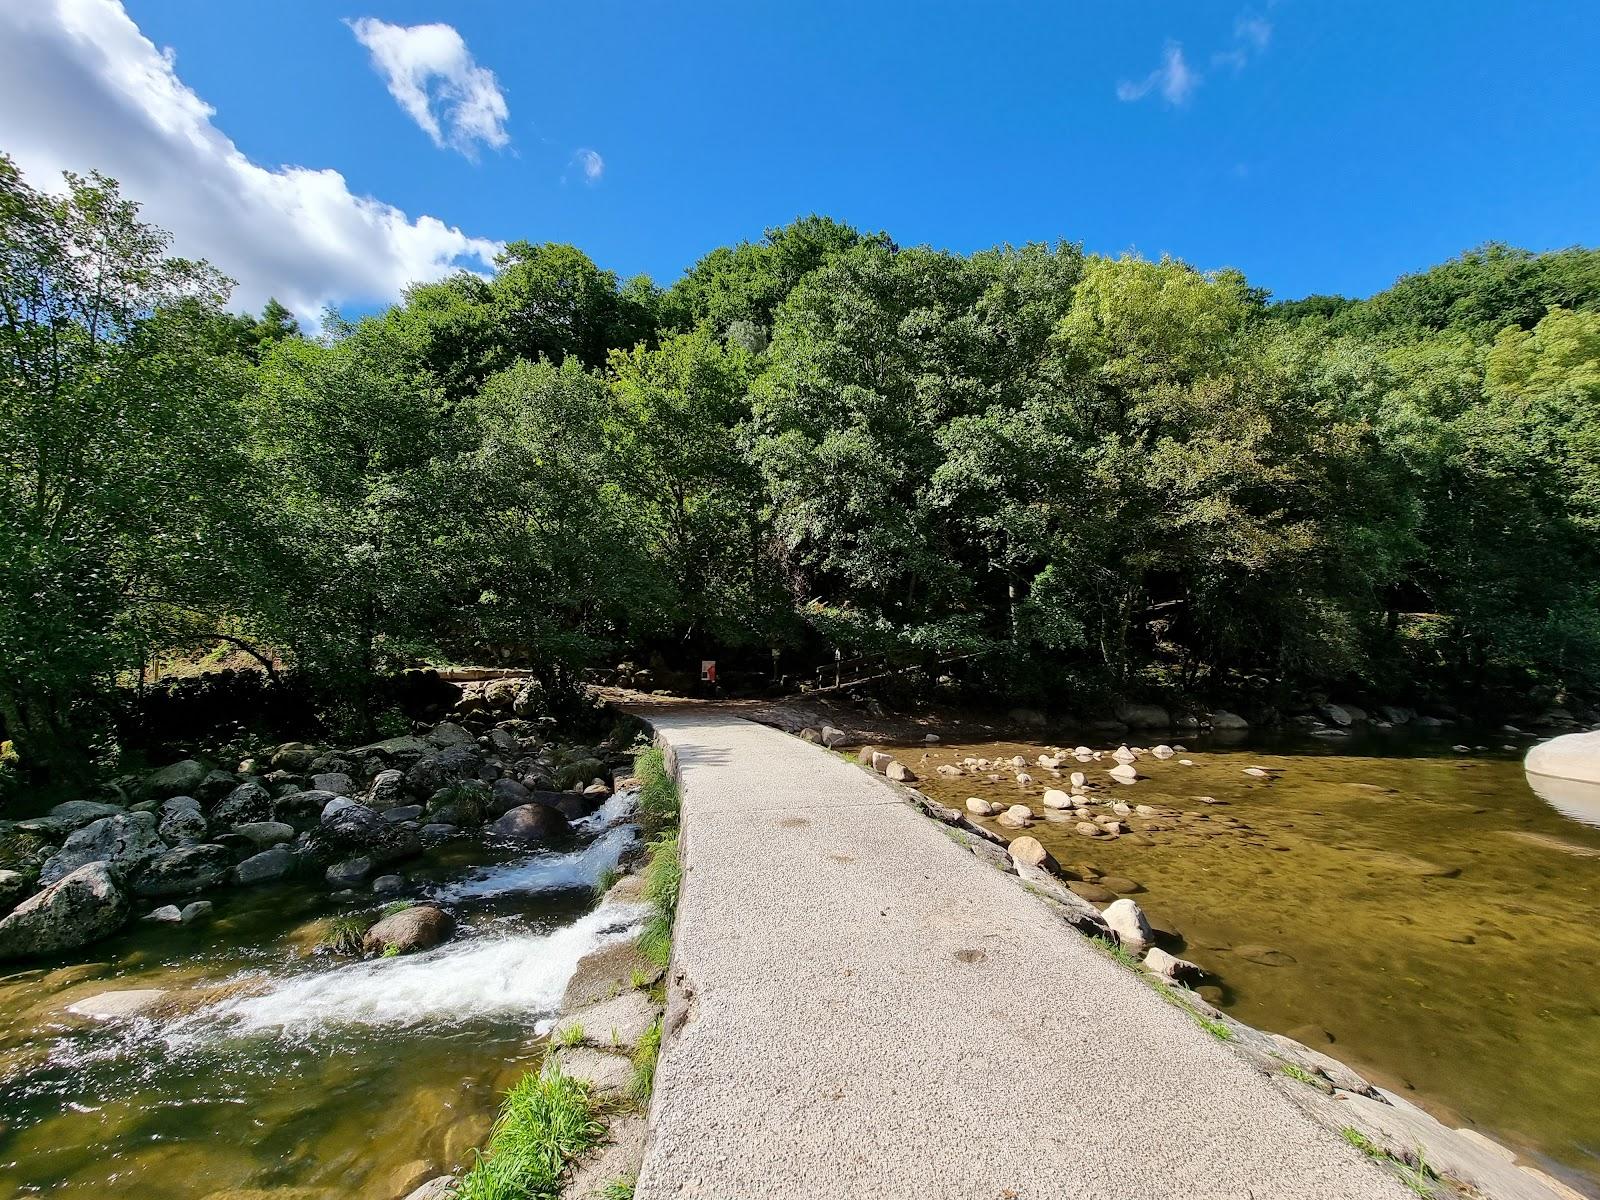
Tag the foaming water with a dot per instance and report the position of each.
(483, 977)
(545, 872)
(608, 814)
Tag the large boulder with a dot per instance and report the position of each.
(508, 794)
(501, 694)
(181, 778)
(356, 831)
(265, 867)
(124, 841)
(337, 782)
(14, 889)
(1222, 719)
(82, 907)
(182, 822)
(182, 870)
(388, 790)
(304, 810)
(448, 733)
(569, 804)
(530, 701)
(453, 764)
(78, 813)
(531, 824)
(265, 833)
(414, 928)
(1144, 716)
(215, 786)
(250, 801)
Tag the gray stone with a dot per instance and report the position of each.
(179, 778)
(607, 1074)
(1127, 920)
(416, 928)
(78, 813)
(508, 794)
(899, 772)
(86, 905)
(387, 885)
(195, 910)
(124, 840)
(1031, 851)
(265, 833)
(250, 801)
(215, 786)
(448, 733)
(438, 831)
(182, 870)
(265, 867)
(1169, 966)
(532, 824)
(441, 1187)
(336, 782)
(293, 756)
(182, 822)
(14, 888)
(1223, 719)
(388, 789)
(406, 812)
(349, 872)
(335, 806)
(167, 914)
(619, 1023)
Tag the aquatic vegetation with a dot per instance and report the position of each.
(546, 1121)
(344, 933)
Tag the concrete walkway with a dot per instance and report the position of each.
(875, 1013)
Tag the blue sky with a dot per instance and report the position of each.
(1316, 146)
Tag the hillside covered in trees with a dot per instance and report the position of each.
(1054, 477)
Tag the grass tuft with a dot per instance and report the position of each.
(344, 933)
(1419, 1178)
(570, 1034)
(643, 1083)
(663, 876)
(1300, 1074)
(620, 1188)
(658, 792)
(546, 1121)
(395, 906)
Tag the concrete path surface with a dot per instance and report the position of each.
(876, 1013)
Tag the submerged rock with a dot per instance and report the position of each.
(113, 1006)
(84, 906)
(414, 928)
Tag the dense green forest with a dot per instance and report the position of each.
(1054, 477)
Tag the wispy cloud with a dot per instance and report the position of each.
(434, 78)
(591, 164)
(81, 87)
(1174, 80)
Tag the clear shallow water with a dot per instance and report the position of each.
(278, 1073)
(1427, 911)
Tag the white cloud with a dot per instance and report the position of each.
(81, 88)
(1174, 79)
(1255, 32)
(432, 75)
(592, 165)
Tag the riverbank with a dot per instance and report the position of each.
(841, 966)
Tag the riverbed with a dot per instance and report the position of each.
(274, 1070)
(1419, 913)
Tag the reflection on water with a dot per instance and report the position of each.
(1423, 911)
(271, 1072)
(1569, 797)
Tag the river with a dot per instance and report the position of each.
(1420, 913)
(279, 1072)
